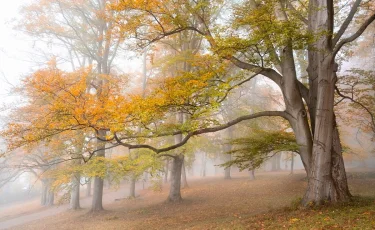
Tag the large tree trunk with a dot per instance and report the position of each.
(176, 171)
(293, 99)
(175, 189)
(321, 187)
(97, 199)
(327, 181)
(338, 168)
(74, 194)
(295, 107)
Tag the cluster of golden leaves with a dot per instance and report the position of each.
(60, 101)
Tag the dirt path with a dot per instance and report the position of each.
(27, 216)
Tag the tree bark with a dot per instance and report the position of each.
(292, 164)
(88, 188)
(48, 195)
(97, 199)
(74, 194)
(175, 189)
(43, 197)
(184, 179)
(227, 174)
(203, 170)
(166, 170)
(176, 171)
(133, 181)
(227, 149)
(338, 169)
(50, 198)
(322, 185)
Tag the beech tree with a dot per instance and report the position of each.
(84, 30)
(262, 39)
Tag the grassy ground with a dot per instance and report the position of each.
(357, 214)
(215, 203)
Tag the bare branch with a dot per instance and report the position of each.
(346, 23)
(358, 103)
(354, 36)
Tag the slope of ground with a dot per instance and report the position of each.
(211, 203)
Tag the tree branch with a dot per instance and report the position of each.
(206, 130)
(354, 36)
(360, 104)
(346, 23)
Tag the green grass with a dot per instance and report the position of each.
(357, 214)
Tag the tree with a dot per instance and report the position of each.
(85, 31)
(267, 48)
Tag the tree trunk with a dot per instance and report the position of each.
(252, 174)
(203, 171)
(74, 194)
(292, 164)
(88, 188)
(43, 198)
(97, 199)
(133, 181)
(321, 187)
(276, 162)
(175, 189)
(216, 167)
(227, 149)
(48, 195)
(50, 198)
(166, 170)
(326, 156)
(227, 170)
(338, 169)
(293, 98)
(184, 179)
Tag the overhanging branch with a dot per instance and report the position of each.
(346, 23)
(354, 36)
(205, 130)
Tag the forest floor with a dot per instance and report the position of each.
(215, 203)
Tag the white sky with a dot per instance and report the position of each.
(17, 57)
(13, 50)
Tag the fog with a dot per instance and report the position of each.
(101, 112)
